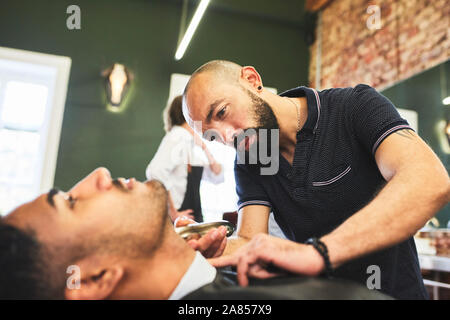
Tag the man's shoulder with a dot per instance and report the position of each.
(178, 132)
(346, 90)
(342, 96)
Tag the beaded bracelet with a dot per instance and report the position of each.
(323, 251)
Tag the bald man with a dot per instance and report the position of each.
(353, 179)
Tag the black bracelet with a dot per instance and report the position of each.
(323, 251)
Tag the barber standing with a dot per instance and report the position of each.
(353, 185)
(181, 162)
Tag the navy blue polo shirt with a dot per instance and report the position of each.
(333, 175)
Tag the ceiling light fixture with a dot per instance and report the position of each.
(191, 29)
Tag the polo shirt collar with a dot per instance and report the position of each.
(296, 172)
(313, 102)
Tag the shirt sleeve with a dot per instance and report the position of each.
(249, 188)
(210, 176)
(373, 117)
(170, 154)
(200, 158)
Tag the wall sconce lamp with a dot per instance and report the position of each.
(117, 84)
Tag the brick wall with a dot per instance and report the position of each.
(414, 36)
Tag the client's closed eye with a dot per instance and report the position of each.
(71, 200)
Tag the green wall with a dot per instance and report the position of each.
(424, 93)
(143, 35)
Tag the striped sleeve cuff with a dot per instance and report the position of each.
(387, 133)
(254, 202)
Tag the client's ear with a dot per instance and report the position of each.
(97, 281)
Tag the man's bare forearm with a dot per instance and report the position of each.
(252, 219)
(402, 207)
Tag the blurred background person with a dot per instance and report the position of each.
(181, 162)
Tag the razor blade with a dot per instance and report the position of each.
(197, 230)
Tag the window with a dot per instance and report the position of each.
(32, 95)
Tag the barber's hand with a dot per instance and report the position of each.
(182, 221)
(175, 214)
(264, 251)
(211, 244)
(186, 213)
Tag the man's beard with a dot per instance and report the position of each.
(266, 122)
(262, 113)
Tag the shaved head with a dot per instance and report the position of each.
(223, 100)
(218, 69)
(215, 70)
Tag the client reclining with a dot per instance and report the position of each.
(118, 235)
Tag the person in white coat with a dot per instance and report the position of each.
(181, 162)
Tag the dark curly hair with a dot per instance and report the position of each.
(24, 273)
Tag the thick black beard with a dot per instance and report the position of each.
(265, 119)
(263, 113)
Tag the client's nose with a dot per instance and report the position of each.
(103, 177)
(97, 180)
